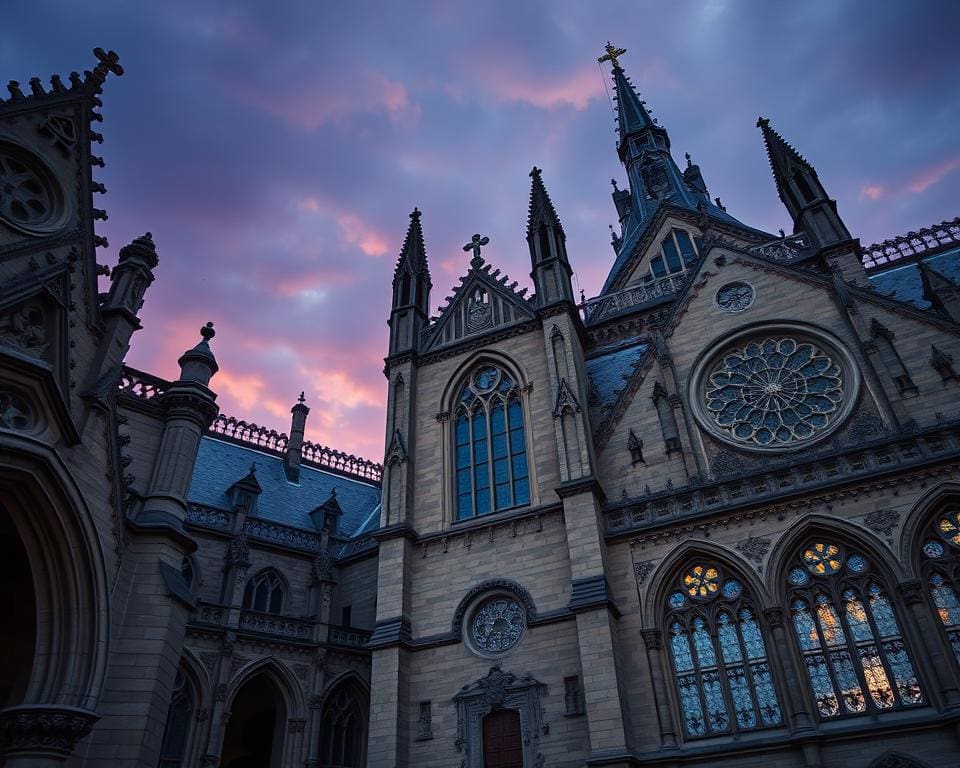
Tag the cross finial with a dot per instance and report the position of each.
(535, 173)
(109, 62)
(612, 54)
(302, 398)
(474, 245)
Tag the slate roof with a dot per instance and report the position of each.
(220, 464)
(608, 373)
(903, 279)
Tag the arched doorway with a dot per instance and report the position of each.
(502, 742)
(18, 633)
(343, 726)
(256, 730)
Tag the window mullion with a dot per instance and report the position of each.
(825, 648)
(725, 689)
(747, 671)
(878, 641)
(698, 671)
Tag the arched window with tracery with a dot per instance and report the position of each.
(718, 653)
(179, 717)
(342, 728)
(264, 592)
(941, 569)
(847, 630)
(491, 449)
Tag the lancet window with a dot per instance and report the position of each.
(941, 568)
(179, 716)
(264, 592)
(847, 630)
(491, 450)
(342, 730)
(719, 656)
(677, 252)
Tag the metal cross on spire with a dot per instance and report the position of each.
(474, 245)
(612, 54)
(109, 62)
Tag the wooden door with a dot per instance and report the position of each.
(502, 744)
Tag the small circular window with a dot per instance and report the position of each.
(497, 624)
(735, 297)
(31, 198)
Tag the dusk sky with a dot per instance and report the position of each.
(275, 149)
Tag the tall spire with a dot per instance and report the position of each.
(799, 187)
(632, 115)
(548, 249)
(411, 290)
(413, 253)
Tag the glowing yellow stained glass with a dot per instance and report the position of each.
(822, 559)
(949, 526)
(701, 581)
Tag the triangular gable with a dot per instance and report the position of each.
(33, 314)
(482, 302)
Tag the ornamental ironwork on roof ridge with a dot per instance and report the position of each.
(925, 241)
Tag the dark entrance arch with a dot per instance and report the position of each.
(502, 742)
(257, 726)
(343, 732)
(18, 633)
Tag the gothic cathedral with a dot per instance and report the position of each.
(709, 517)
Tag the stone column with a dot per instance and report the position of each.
(41, 736)
(798, 716)
(653, 640)
(940, 668)
(219, 717)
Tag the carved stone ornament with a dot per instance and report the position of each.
(316, 702)
(911, 591)
(754, 548)
(882, 521)
(499, 690)
(479, 315)
(301, 671)
(735, 297)
(641, 570)
(62, 130)
(50, 729)
(296, 725)
(652, 639)
(209, 660)
(23, 328)
(774, 617)
(32, 200)
(15, 412)
(220, 692)
(323, 567)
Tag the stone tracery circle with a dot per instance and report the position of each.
(31, 198)
(497, 624)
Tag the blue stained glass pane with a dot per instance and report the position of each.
(657, 267)
(703, 644)
(850, 692)
(882, 612)
(878, 686)
(480, 477)
(727, 635)
(463, 430)
(677, 599)
(520, 465)
(717, 716)
(752, 639)
(463, 456)
(463, 481)
(498, 420)
(479, 425)
(857, 618)
(823, 691)
(829, 622)
(690, 703)
(686, 245)
(933, 549)
(499, 444)
(503, 496)
(671, 255)
(732, 588)
(946, 600)
(464, 505)
(483, 501)
(516, 441)
(798, 576)
(682, 659)
(804, 627)
(766, 695)
(908, 687)
(501, 471)
(480, 451)
(742, 700)
(857, 563)
(521, 492)
(515, 414)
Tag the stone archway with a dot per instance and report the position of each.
(343, 726)
(256, 729)
(18, 633)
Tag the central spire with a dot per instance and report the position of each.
(632, 115)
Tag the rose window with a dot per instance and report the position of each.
(497, 625)
(774, 392)
(31, 200)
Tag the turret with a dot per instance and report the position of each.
(799, 187)
(411, 291)
(548, 249)
(292, 454)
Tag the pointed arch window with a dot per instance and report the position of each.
(490, 444)
(677, 252)
(264, 592)
(179, 716)
(718, 654)
(342, 729)
(940, 553)
(847, 630)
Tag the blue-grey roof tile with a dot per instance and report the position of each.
(220, 464)
(904, 282)
(608, 372)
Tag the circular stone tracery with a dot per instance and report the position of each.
(774, 392)
(31, 199)
(497, 625)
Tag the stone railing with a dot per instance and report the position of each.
(142, 386)
(784, 249)
(271, 624)
(348, 636)
(899, 452)
(277, 533)
(912, 244)
(602, 307)
(249, 433)
(208, 517)
(210, 614)
(349, 464)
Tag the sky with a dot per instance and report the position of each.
(275, 151)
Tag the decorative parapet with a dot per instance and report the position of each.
(210, 615)
(783, 249)
(280, 626)
(285, 535)
(892, 453)
(912, 244)
(209, 517)
(348, 637)
(140, 385)
(603, 307)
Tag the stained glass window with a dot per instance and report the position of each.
(264, 592)
(852, 647)
(342, 728)
(177, 728)
(489, 443)
(774, 392)
(719, 657)
(497, 624)
(941, 568)
(677, 253)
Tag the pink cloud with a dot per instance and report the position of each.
(931, 176)
(871, 191)
(576, 89)
(353, 229)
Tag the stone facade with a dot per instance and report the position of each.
(709, 517)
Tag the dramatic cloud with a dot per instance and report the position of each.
(275, 150)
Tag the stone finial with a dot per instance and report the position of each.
(293, 453)
(142, 247)
(199, 364)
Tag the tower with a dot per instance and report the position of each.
(548, 247)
